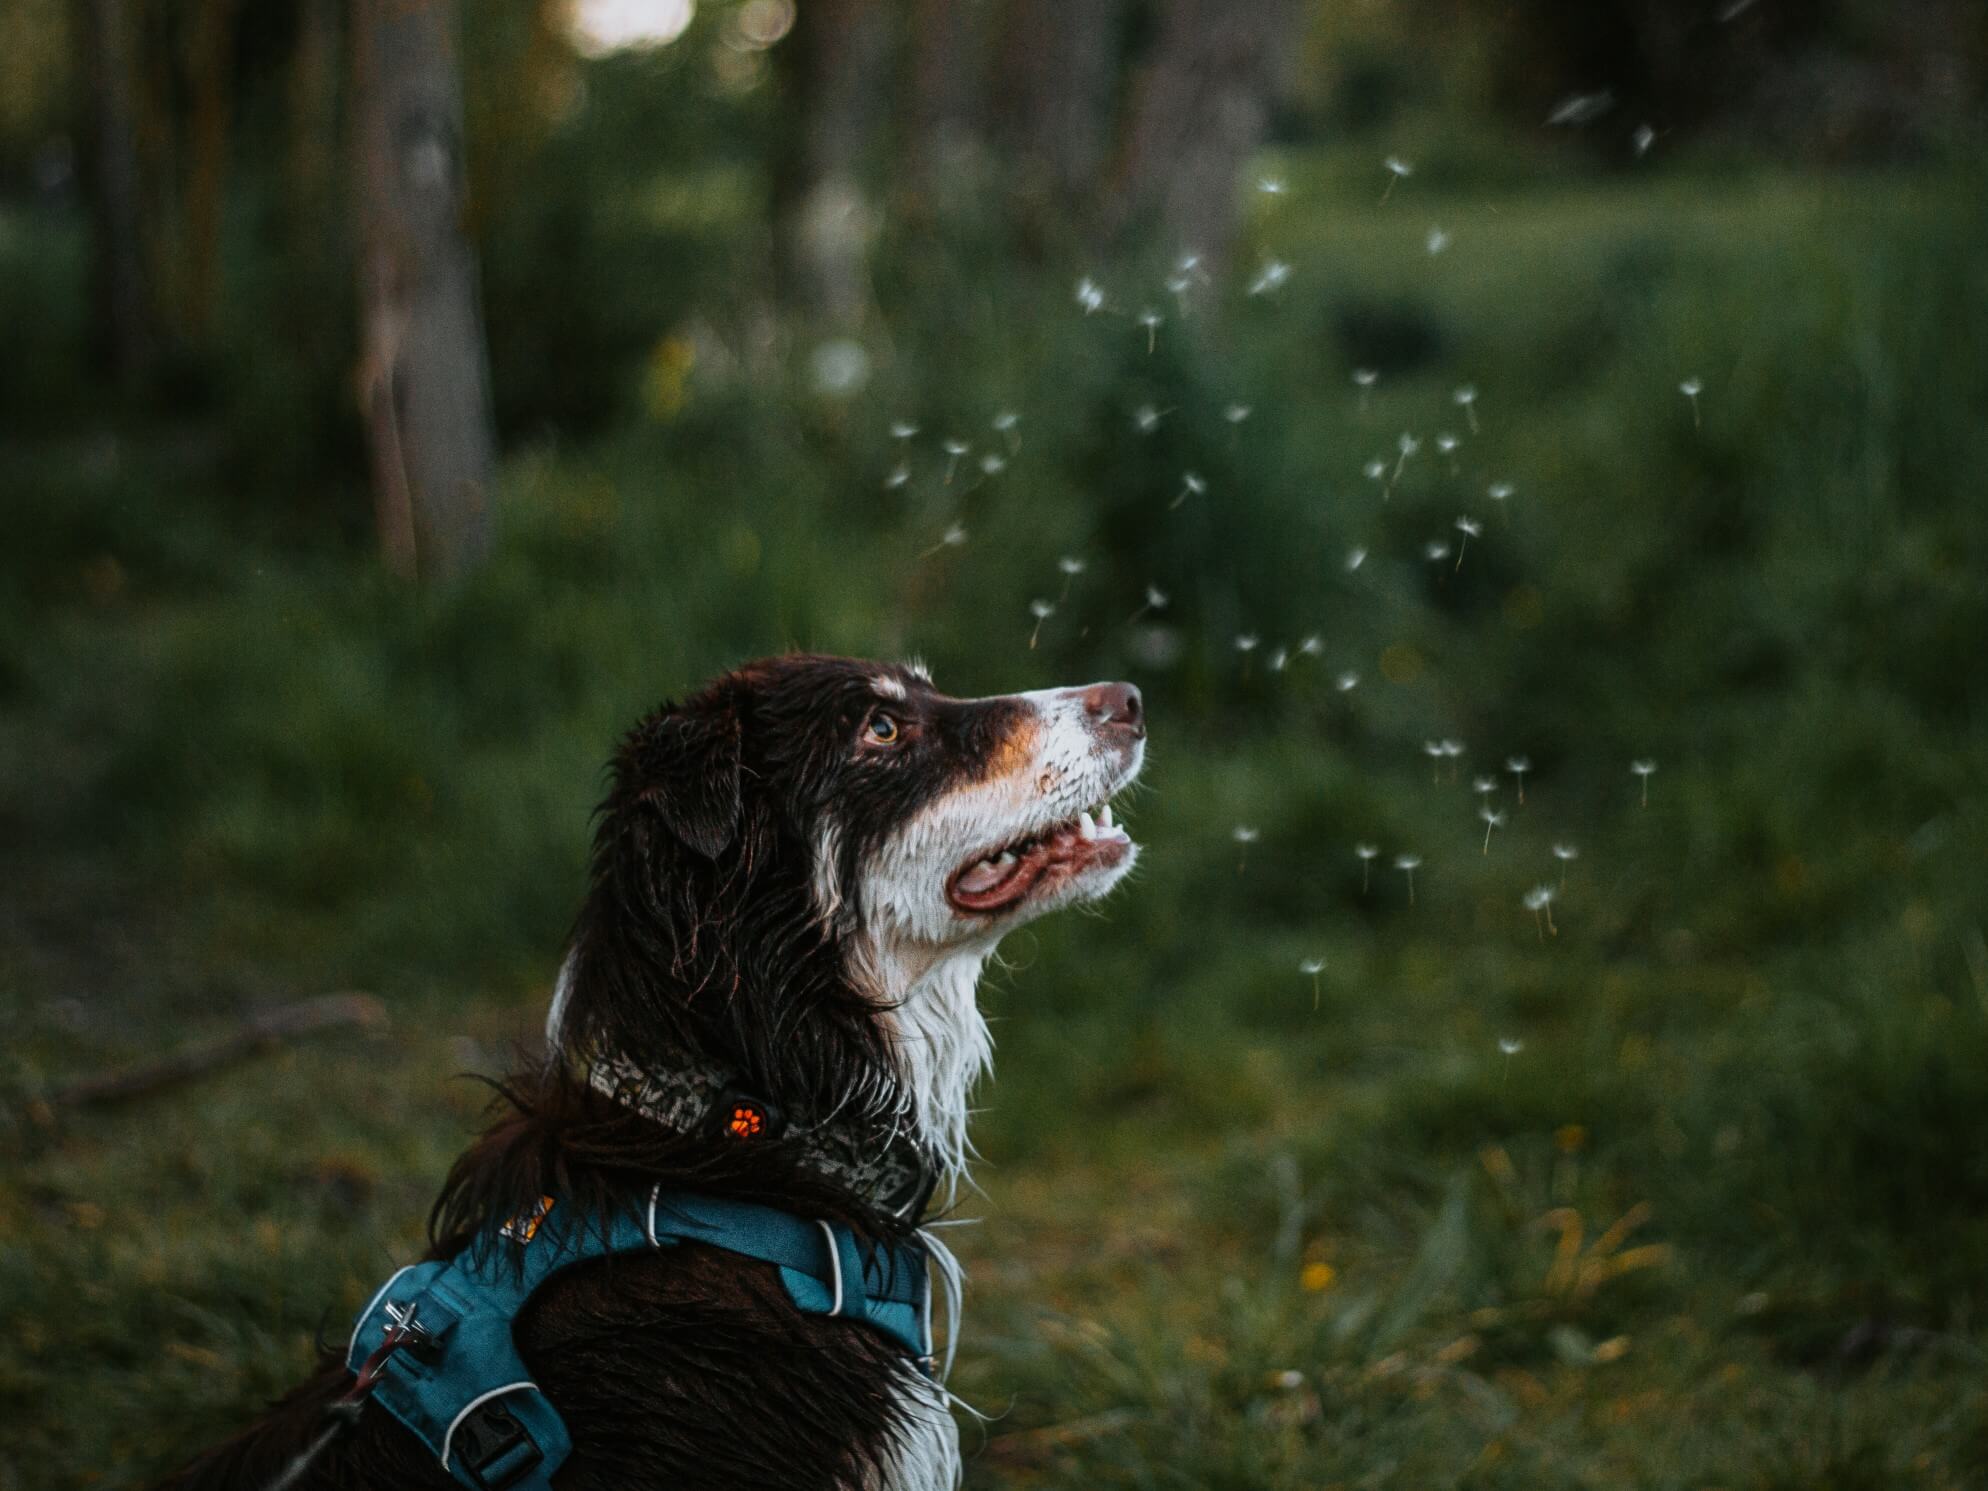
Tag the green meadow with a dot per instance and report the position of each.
(1686, 1189)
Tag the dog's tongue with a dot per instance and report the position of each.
(983, 877)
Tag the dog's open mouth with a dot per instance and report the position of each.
(1044, 859)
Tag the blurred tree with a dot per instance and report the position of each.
(121, 307)
(947, 54)
(1058, 78)
(211, 65)
(1198, 111)
(423, 380)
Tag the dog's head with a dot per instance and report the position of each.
(798, 867)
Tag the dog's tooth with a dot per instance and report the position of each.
(1104, 816)
(1085, 828)
(1004, 860)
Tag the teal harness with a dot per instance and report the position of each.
(435, 1345)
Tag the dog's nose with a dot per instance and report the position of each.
(1116, 707)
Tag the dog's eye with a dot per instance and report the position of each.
(883, 729)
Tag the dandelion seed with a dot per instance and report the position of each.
(1354, 559)
(1070, 567)
(1177, 286)
(1539, 901)
(1151, 320)
(1089, 295)
(1367, 853)
(1235, 414)
(1566, 854)
(1435, 551)
(1364, 379)
(1644, 769)
(1346, 682)
(1510, 1046)
(1446, 444)
(1247, 642)
(992, 465)
(1518, 766)
(1453, 753)
(1691, 388)
(1484, 786)
(1376, 470)
(1469, 529)
(1398, 170)
(902, 430)
(1500, 491)
(1643, 139)
(1041, 611)
(1465, 398)
(954, 449)
(898, 477)
(1191, 485)
(1407, 445)
(1004, 423)
(952, 538)
(1408, 864)
(1492, 819)
(1311, 645)
(1156, 600)
(1244, 836)
(1146, 419)
(1433, 749)
(1312, 968)
(1581, 108)
(1280, 660)
(1436, 242)
(1271, 186)
(1270, 277)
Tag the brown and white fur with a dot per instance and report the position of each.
(798, 876)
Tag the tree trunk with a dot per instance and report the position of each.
(947, 47)
(1200, 110)
(1058, 70)
(835, 61)
(423, 381)
(123, 314)
(213, 83)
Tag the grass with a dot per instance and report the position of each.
(1718, 1220)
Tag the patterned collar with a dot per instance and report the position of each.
(887, 1170)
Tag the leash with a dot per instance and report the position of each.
(343, 1411)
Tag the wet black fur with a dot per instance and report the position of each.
(690, 1368)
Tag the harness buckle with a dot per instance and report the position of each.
(494, 1447)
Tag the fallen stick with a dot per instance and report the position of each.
(262, 1032)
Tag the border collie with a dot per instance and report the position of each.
(797, 876)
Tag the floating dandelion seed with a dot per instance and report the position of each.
(1191, 485)
(1235, 414)
(1041, 611)
(954, 449)
(1247, 642)
(1566, 854)
(1312, 968)
(1433, 749)
(1643, 139)
(1644, 769)
(1539, 901)
(1465, 398)
(1581, 108)
(1368, 854)
(1280, 660)
(1408, 864)
(1518, 766)
(1446, 444)
(898, 477)
(1398, 170)
(1151, 320)
(1156, 600)
(1376, 470)
(1244, 836)
(1453, 753)
(1271, 186)
(1070, 566)
(1146, 419)
(1469, 529)
(1492, 819)
(1484, 786)
(952, 538)
(1510, 1046)
(1004, 423)
(1270, 277)
(992, 465)
(1691, 388)
(1089, 295)
(1364, 379)
(1354, 559)
(1437, 241)
(902, 430)
(1346, 682)
(1435, 551)
(1311, 645)
(1407, 445)
(1500, 491)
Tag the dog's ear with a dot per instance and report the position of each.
(684, 764)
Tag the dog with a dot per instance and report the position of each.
(768, 1004)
